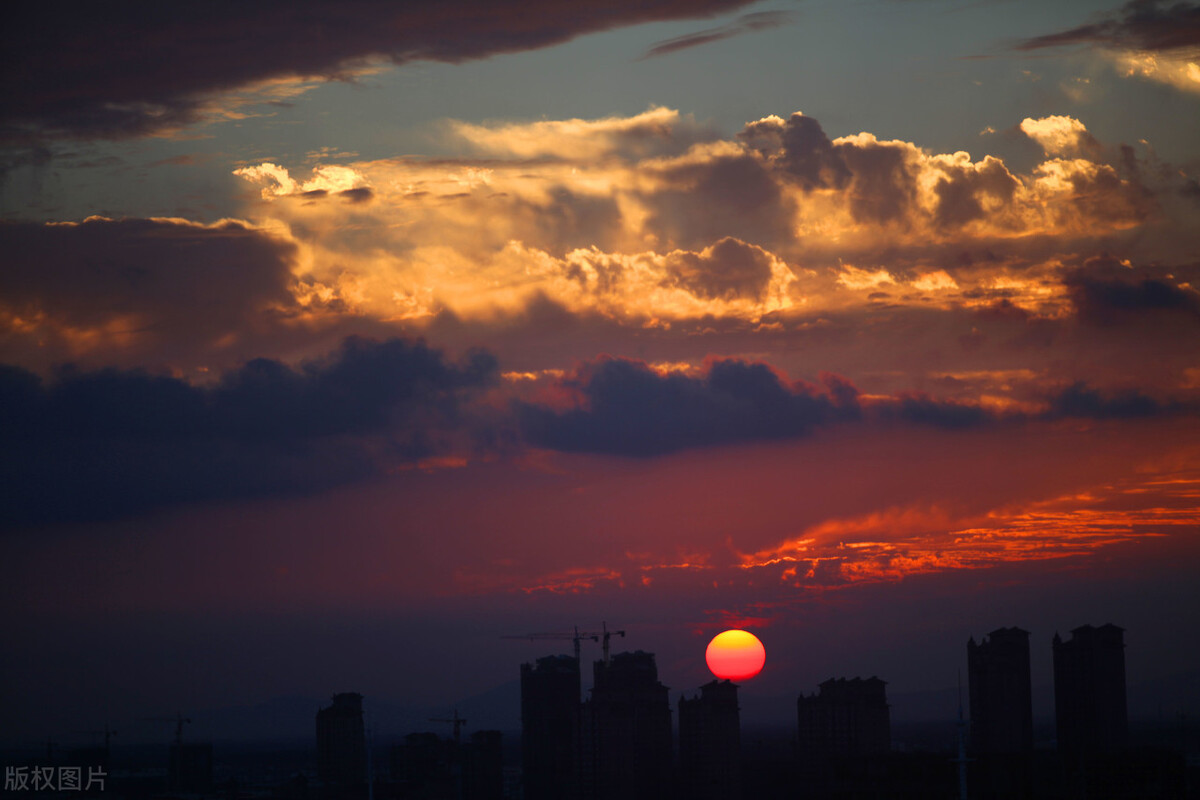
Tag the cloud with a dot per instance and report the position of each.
(1104, 295)
(1150, 38)
(139, 283)
(711, 192)
(968, 191)
(728, 269)
(1140, 25)
(920, 408)
(626, 408)
(134, 70)
(800, 149)
(326, 178)
(613, 216)
(109, 443)
(1059, 135)
(1080, 400)
(883, 188)
(747, 23)
(656, 131)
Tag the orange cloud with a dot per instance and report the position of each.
(1058, 135)
(649, 217)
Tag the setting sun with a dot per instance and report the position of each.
(735, 655)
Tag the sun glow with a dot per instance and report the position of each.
(735, 655)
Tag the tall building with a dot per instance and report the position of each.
(549, 726)
(1089, 689)
(483, 766)
(710, 743)
(342, 746)
(431, 768)
(1001, 693)
(845, 718)
(190, 767)
(625, 750)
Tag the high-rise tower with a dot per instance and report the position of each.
(710, 743)
(342, 747)
(549, 726)
(1089, 689)
(625, 741)
(1001, 693)
(845, 718)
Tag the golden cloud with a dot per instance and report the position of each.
(635, 218)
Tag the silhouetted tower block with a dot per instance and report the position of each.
(1001, 693)
(625, 734)
(549, 726)
(710, 743)
(483, 767)
(1089, 689)
(422, 760)
(342, 746)
(190, 767)
(845, 718)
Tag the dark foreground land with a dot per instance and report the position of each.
(1162, 761)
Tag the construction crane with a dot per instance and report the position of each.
(457, 721)
(575, 637)
(601, 636)
(178, 719)
(605, 633)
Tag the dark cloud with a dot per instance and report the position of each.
(883, 188)
(130, 69)
(1103, 298)
(920, 408)
(809, 157)
(629, 409)
(98, 445)
(727, 195)
(142, 279)
(1191, 190)
(747, 23)
(799, 149)
(961, 191)
(1140, 25)
(564, 221)
(1102, 196)
(1080, 400)
(727, 270)
(362, 194)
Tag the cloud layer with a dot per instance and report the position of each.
(99, 445)
(653, 219)
(1154, 39)
(140, 68)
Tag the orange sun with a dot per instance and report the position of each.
(735, 655)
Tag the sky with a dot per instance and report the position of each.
(339, 342)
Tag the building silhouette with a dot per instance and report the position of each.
(431, 768)
(190, 767)
(710, 743)
(483, 766)
(1001, 694)
(421, 763)
(342, 747)
(549, 727)
(845, 718)
(1089, 689)
(625, 747)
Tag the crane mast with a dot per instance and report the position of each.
(601, 636)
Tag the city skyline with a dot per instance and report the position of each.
(337, 345)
